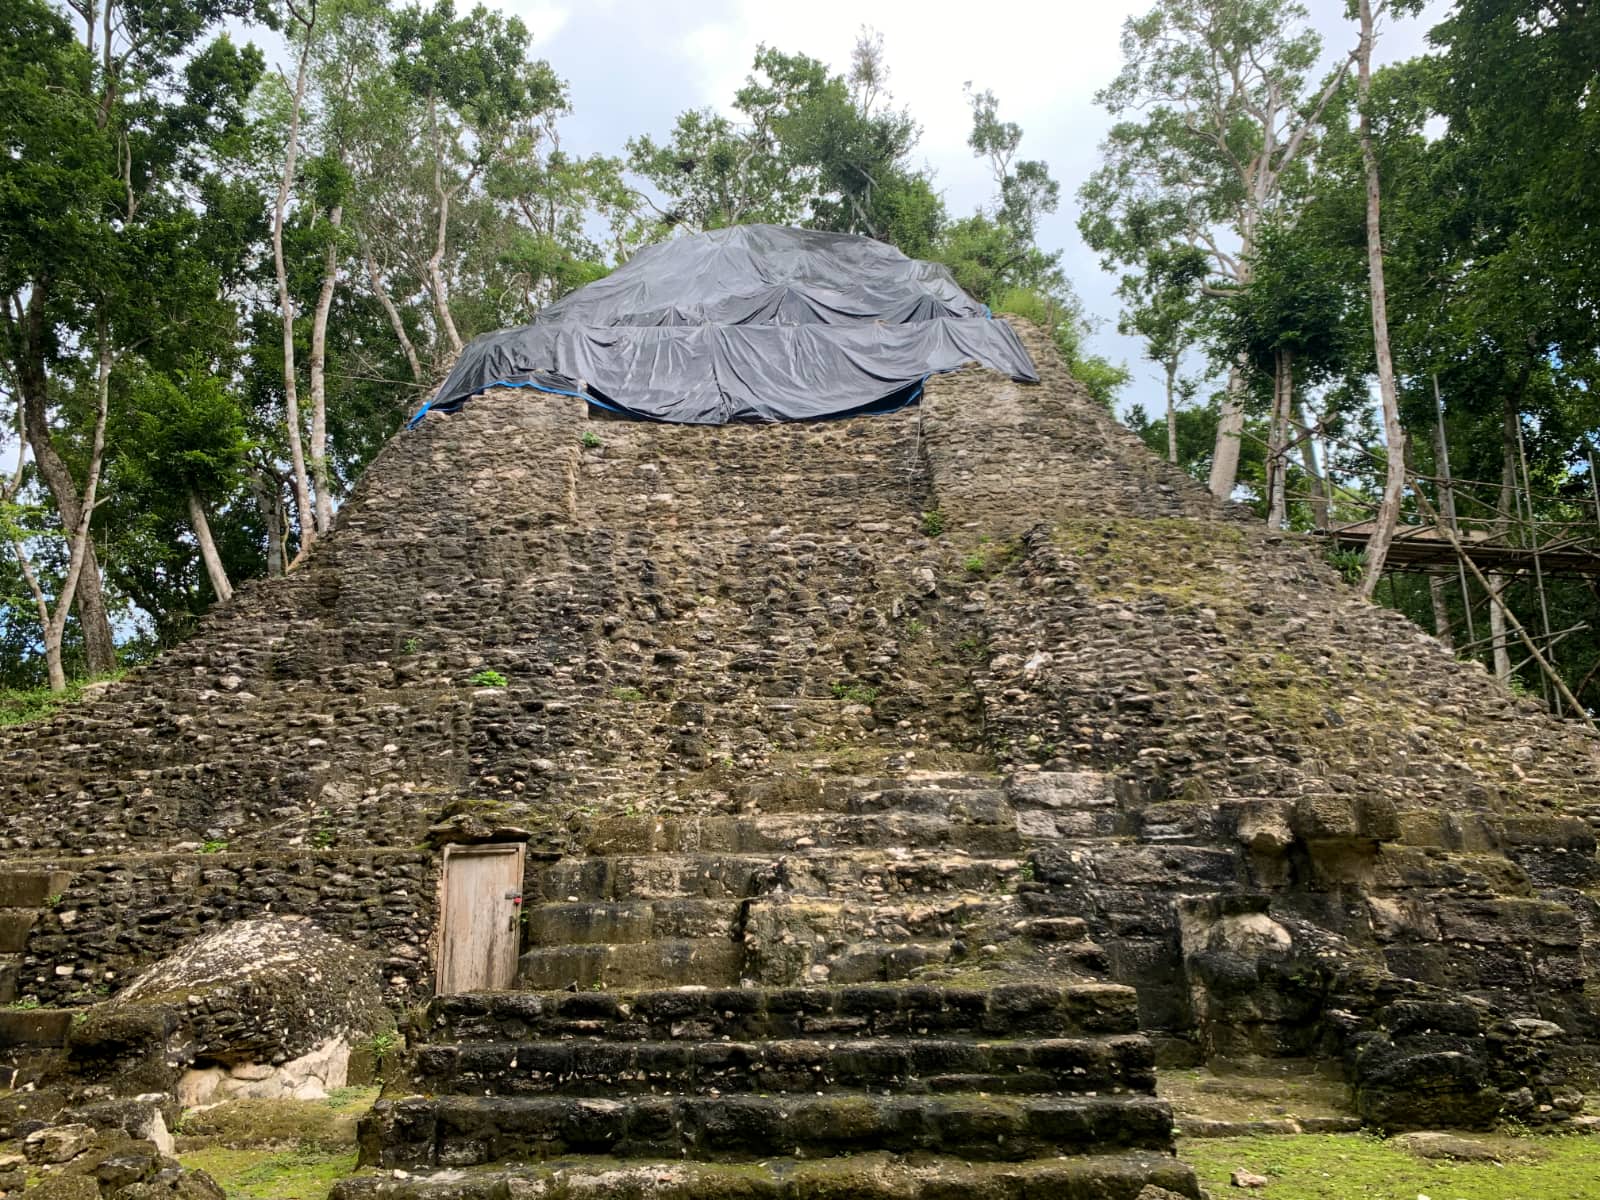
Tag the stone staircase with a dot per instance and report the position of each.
(752, 1083)
(24, 895)
(27, 1034)
(807, 964)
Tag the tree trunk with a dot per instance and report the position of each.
(1441, 610)
(78, 534)
(441, 295)
(208, 548)
(318, 372)
(1278, 440)
(291, 399)
(1225, 458)
(1308, 460)
(1394, 433)
(54, 671)
(399, 326)
(99, 646)
(1510, 417)
(268, 494)
(1172, 412)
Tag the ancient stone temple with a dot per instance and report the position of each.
(850, 808)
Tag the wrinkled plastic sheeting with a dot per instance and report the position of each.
(752, 323)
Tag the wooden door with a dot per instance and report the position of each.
(480, 909)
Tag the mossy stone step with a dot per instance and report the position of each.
(794, 832)
(852, 871)
(31, 889)
(970, 796)
(757, 1014)
(566, 923)
(909, 1065)
(667, 962)
(34, 1028)
(471, 1130)
(859, 1177)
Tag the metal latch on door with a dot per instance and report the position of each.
(516, 903)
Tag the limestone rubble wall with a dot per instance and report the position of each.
(1288, 790)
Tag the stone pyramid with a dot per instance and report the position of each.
(897, 793)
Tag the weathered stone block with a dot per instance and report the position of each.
(15, 925)
(31, 889)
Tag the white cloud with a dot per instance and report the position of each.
(544, 19)
(1044, 61)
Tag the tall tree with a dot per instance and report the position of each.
(186, 447)
(103, 246)
(1394, 431)
(1160, 304)
(476, 83)
(1225, 121)
(303, 28)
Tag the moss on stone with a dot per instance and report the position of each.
(320, 1125)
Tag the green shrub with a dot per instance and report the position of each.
(488, 678)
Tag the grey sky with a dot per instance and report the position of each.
(633, 65)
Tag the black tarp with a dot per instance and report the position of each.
(752, 323)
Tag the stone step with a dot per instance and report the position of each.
(34, 1028)
(472, 1130)
(15, 925)
(789, 939)
(565, 923)
(10, 977)
(891, 871)
(906, 1065)
(757, 1014)
(971, 797)
(871, 1176)
(31, 889)
(793, 832)
(670, 962)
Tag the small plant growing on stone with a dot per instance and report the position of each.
(488, 678)
(1350, 564)
(915, 628)
(969, 647)
(630, 694)
(25, 1004)
(52, 900)
(590, 439)
(856, 693)
(933, 522)
(975, 564)
(213, 847)
(411, 645)
(322, 839)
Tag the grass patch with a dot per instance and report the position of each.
(23, 706)
(1353, 1166)
(320, 1126)
(261, 1174)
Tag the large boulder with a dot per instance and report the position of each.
(266, 1007)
